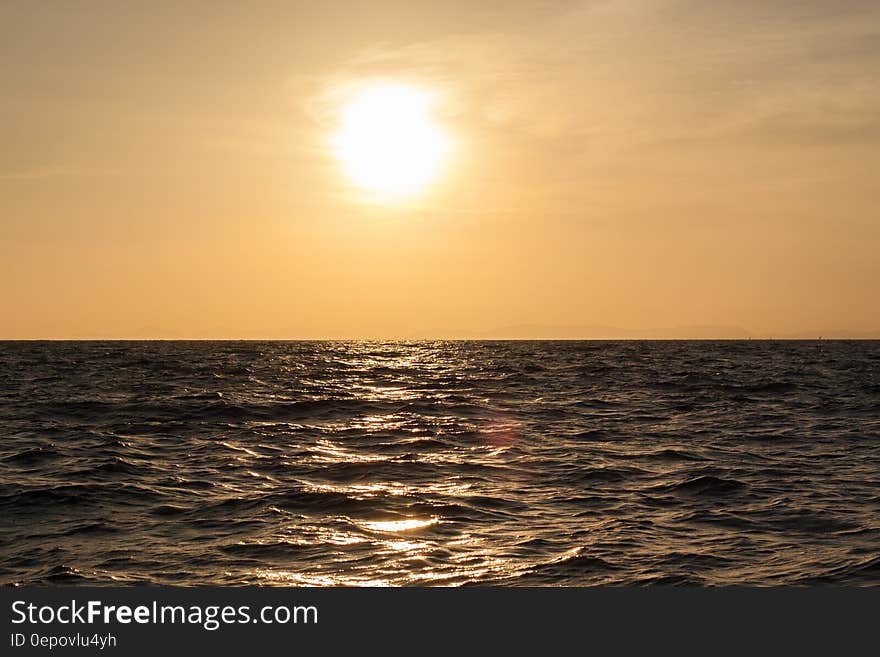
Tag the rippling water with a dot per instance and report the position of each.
(422, 463)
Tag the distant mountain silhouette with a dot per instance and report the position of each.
(602, 332)
(593, 332)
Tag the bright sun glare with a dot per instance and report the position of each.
(388, 142)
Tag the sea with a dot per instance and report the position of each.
(440, 463)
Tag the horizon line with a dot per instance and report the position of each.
(422, 339)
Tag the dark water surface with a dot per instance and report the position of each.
(514, 463)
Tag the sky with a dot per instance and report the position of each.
(620, 168)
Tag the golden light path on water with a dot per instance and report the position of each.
(397, 525)
(406, 546)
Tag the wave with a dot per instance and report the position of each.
(706, 485)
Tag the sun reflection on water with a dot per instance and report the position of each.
(397, 525)
(291, 578)
(377, 511)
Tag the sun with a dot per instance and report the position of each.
(388, 141)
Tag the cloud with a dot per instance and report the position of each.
(618, 74)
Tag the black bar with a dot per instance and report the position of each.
(403, 621)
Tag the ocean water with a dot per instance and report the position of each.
(440, 463)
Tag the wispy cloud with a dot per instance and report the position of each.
(623, 73)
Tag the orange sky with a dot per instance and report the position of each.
(630, 168)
